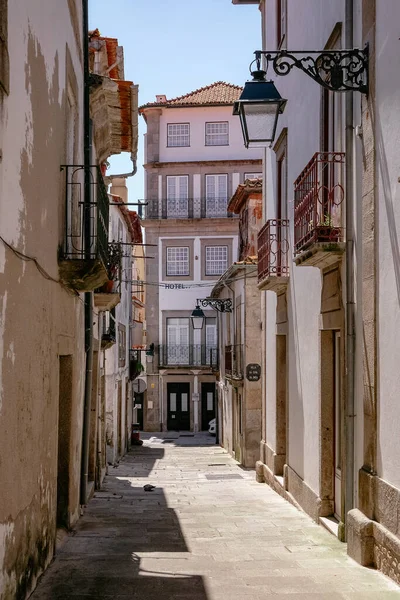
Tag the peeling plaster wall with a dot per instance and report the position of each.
(39, 320)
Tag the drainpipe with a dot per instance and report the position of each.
(126, 175)
(88, 295)
(350, 303)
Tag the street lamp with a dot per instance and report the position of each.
(260, 103)
(197, 317)
(219, 304)
(259, 107)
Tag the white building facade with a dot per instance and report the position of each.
(194, 159)
(331, 446)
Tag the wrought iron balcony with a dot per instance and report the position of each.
(273, 255)
(234, 361)
(318, 210)
(186, 208)
(109, 336)
(191, 355)
(109, 294)
(84, 254)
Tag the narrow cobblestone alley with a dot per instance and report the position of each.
(207, 531)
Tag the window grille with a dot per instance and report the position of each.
(216, 260)
(178, 135)
(217, 134)
(178, 261)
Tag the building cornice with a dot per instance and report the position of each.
(206, 163)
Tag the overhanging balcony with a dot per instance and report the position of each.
(191, 355)
(273, 255)
(109, 294)
(318, 211)
(84, 254)
(186, 208)
(234, 361)
(109, 335)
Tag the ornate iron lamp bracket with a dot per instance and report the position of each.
(219, 304)
(335, 70)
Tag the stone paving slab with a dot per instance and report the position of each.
(200, 535)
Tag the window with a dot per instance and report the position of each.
(280, 149)
(178, 341)
(252, 176)
(216, 260)
(4, 59)
(217, 134)
(178, 260)
(178, 135)
(216, 195)
(281, 23)
(121, 345)
(177, 196)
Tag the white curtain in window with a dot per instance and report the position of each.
(178, 341)
(177, 196)
(216, 195)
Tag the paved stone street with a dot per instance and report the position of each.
(207, 531)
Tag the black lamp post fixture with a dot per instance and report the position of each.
(260, 103)
(219, 304)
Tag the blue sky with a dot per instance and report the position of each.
(173, 47)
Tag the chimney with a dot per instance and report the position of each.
(161, 99)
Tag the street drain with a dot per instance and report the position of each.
(186, 435)
(217, 465)
(227, 476)
(168, 441)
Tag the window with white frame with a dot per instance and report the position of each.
(178, 135)
(216, 260)
(252, 176)
(216, 195)
(217, 134)
(178, 260)
(177, 196)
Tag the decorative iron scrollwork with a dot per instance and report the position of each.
(219, 304)
(335, 70)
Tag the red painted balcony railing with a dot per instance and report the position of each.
(273, 249)
(318, 201)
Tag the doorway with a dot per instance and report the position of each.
(178, 408)
(207, 404)
(119, 418)
(138, 407)
(337, 420)
(64, 439)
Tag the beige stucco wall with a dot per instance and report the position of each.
(40, 321)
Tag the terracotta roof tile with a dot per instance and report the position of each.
(216, 93)
(243, 190)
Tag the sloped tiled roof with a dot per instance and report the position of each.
(211, 95)
(243, 191)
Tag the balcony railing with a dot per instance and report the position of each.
(273, 250)
(194, 355)
(85, 244)
(234, 361)
(318, 201)
(185, 208)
